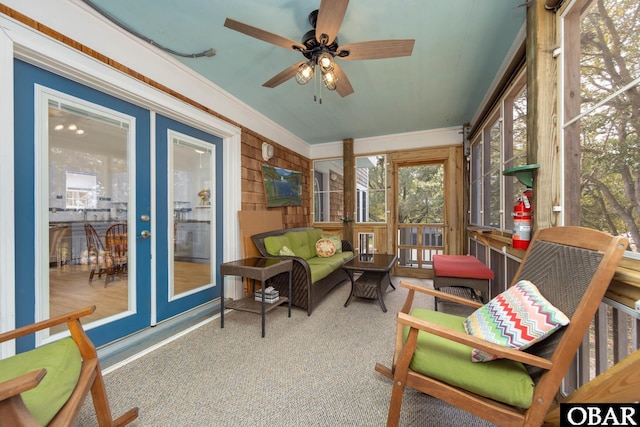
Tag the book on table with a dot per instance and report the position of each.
(271, 295)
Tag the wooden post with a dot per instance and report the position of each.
(349, 189)
(542, 135)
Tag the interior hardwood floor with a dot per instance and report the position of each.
(69, 289)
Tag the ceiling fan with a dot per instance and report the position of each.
(320, 48)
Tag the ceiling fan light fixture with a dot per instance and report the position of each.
(329, 80)
(325, 62)
(305, 73)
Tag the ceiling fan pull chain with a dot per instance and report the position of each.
(315, 85)
(318, 78)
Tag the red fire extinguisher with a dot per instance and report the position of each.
(522, 220)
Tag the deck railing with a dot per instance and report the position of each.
(614, 334)
(417, 243)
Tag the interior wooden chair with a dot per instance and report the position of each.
(116, 247)
(96, 253)
(572, 268)
(49, 384)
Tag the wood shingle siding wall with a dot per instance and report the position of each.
(253, 194)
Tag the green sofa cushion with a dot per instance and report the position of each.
(320, 271)
(62, 361)
(314, 236)
(450, 362)
(273, 244)
(299, 243)
(322, 267)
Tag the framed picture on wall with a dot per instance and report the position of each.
(282, 187)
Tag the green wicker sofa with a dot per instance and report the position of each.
(313, 276)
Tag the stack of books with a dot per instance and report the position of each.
(271, 295)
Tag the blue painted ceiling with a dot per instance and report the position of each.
(459, 47)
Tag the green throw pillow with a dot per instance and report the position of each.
(336, 239)
(285, 251)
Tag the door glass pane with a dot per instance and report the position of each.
(191, 188)
(87, 211)
(371, 188)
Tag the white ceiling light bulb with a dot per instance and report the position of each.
(329, 80)
(325, 62)
(305, 73)
(72, 127)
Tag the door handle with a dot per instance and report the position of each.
(145, 234)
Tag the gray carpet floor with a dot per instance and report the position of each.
(313, 370)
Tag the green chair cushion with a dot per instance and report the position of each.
(502, 380)
(62, 361)
(273, 244)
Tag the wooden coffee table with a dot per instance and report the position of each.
(374, 280)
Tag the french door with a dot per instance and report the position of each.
(94, 206)
(189, 199)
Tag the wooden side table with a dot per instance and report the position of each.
(257, 269)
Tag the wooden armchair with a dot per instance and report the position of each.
(572, 268)
(48, 385)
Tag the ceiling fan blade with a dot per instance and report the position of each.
(263, 35)
(378, 49)
(343, 85)
(330, 16)
(283, 76)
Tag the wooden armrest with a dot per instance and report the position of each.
(441, 295)
(18, 385)
(475, 342)
(45, 324)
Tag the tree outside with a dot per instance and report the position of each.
(610, 102)
(421, 194)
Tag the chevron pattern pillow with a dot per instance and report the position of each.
(517, 318)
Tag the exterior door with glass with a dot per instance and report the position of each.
(82, 206)
(189, 207)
